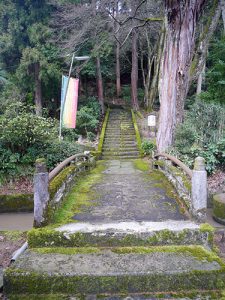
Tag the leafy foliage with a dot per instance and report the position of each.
(148, 146)
(202, 134)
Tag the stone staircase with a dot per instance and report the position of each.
(120, 140)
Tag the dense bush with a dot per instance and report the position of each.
(202, 134)
(24, 137)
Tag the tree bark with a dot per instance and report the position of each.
(200, 81)
(118, 79)
(100, 84)
(222, 4)
(181, 19)
(134, 71)
(154, 83)
(200, 55)
(37, 90)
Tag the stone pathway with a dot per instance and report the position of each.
(126, 193)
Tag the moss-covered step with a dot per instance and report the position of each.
(116, 270)
(122, 234)
(16, 203)
(190, 295)
(219, 208)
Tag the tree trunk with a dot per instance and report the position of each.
(134, 72)
(200, 81)
(118, 80)
(100, 84)
(174, 74)
(222, 3)
(154, 83)
(37, 90)
(200, 55)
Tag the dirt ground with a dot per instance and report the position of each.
(10, 241)
(20, 186)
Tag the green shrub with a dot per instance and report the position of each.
(148, 146)
(202, 134)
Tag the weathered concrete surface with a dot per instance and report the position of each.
(109, 272)
(131, 234)
(129, 227)
(128, 194)
(108, 263)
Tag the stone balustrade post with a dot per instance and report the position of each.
(199, 189)
(41, 193)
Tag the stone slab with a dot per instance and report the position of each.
(130, 233)
(110, 272)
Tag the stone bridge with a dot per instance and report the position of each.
(118, 228)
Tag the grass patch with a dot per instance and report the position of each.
(14, 235)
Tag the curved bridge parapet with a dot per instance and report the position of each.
(191, 185)
(51, 188)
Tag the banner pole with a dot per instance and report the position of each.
(64, 99)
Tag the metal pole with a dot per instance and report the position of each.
(62, 104)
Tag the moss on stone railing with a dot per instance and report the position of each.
(49, 193)
(138, 137)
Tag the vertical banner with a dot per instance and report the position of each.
(69, 104)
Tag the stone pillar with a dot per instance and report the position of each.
(199, 189)
(41, 194)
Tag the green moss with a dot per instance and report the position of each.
(67, 251)
(141, 165)
(138, 137)
(160, 163)
(163, 183)
(102, 135)
(58, 180)
(80, 196)
(41, 160)
(199, 252)
(40, 297)
(16, 203)
(219, 207)
(19, 281)
(48, 237)
(13, 235)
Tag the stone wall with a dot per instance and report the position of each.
(180, 181)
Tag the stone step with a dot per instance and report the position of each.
(120, 153)
(123, 234)
(119, 148)
(120, 137)
(114, 271)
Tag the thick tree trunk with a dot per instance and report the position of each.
(154, 83)
(175, 65)
(37, 90)
(222, 3)
(134, 72)
(100, 84)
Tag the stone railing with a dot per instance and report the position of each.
(51, 188)
(191, 185)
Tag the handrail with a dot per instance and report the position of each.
(177, 162)
(63, 164)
